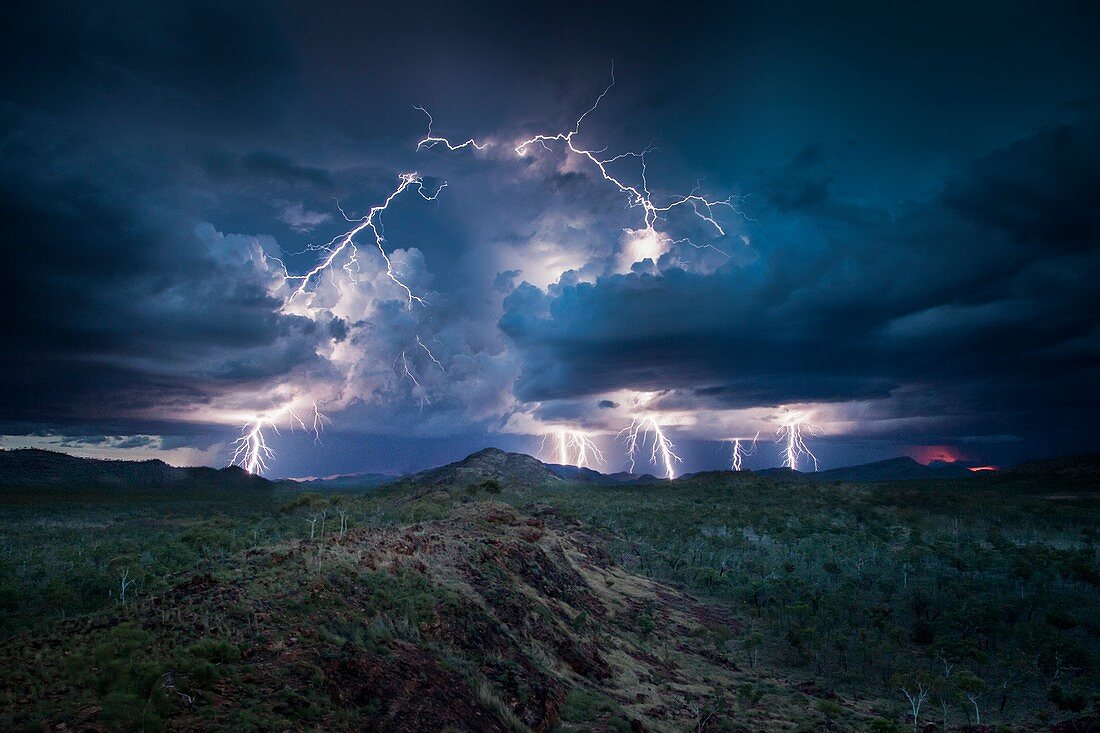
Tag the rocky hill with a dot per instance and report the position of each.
(489, 620)
(510, 470)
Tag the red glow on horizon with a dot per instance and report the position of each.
(928, 453)
(975, 469)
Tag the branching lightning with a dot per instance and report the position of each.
(572, 448)
(740, 452)
(251, 451)
(662, 451)
(345, 242)
(430, 140)
(791, 434)
(638, 195)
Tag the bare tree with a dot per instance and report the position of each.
(906, 568)
(125, 581)
(168, 683)
(916, 698)
(312, 521)
(704, 711)
(343, 514)
(973, 698)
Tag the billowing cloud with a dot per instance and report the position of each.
(920, 270)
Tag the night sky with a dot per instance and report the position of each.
(911, 262)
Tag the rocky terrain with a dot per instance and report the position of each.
(494, 594)
(488, 620)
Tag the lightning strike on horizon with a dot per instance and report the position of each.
(791, 434)
(574, 448)
(251, 451)
(740, 452)
(637, 195)
(346, 242)
(662, 451)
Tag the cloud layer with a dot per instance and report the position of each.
(909, 267)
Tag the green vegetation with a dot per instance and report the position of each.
(984, 594)
(846, 606)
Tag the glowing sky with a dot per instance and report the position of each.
(909, 264)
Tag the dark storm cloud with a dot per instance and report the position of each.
(116, 289)
(146, 150)
(206, 61)
(984, 293)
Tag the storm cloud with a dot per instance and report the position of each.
(914, 255)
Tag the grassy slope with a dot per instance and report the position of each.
(829, 598)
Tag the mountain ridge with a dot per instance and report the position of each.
(44, 468)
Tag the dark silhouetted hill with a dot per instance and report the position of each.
(588, 475)
(510, 469)
(1081, 467)
(892, 469)
(31, 467)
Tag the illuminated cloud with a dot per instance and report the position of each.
(917, 274)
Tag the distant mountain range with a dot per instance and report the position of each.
(892, 469)
(41, 468)
(346, 481)
(575, 473)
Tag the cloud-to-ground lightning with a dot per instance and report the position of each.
(662, 451)
(791, 434)
(251, 451)
(740, 452)
(638, 195)
(573, 448)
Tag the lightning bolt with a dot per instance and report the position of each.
(662, 451)
(573, 448)
(637, 195)
(430, 140)
(431, 356)
(740, 452)
(345, 242)
(417, 387)
(791, 434)
(251, 451)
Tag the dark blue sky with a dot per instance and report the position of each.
(912, 265)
